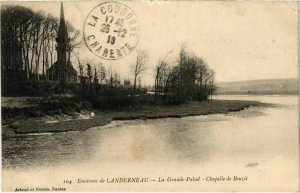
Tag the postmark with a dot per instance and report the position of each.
(111, 30)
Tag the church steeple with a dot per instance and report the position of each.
(62, 30)
(62, 70)
(62, 40)
(62, 17)
(62, 34)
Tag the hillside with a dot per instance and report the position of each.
(270, 86)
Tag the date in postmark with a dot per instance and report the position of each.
(111, 30)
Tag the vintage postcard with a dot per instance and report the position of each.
(182, 96)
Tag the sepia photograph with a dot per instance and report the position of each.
(156, 96)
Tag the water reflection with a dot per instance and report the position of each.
(130, 140)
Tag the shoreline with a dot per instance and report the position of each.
(101, 118)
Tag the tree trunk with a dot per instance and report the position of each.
(134, 84)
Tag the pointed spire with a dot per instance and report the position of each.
(62, 16)
(62, 30)
(62, 37)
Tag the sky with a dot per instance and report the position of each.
(246, 40)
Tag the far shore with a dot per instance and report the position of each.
(100, 118)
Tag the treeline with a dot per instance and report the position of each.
(28, 43)
(189, 79)
(104, 88)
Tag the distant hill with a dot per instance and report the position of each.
(270, 86)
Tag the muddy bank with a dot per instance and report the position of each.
(104, 117)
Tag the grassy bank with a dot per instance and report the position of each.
(34, 125)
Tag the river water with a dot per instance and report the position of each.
(258, 145)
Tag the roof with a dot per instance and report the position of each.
(70, 68)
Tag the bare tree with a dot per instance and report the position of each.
(189, 79)
(109, 79)
(89, 73)
(75, 41)
(160, 73)
(211, 85)
(96, 80)
(80, 66)
(139, 66)
(102, 73)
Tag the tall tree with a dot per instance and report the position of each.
(189, 79)
(139, 66)
(75, 39)
(102, 73)
(28, 42)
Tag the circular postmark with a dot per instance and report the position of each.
(111, 30)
